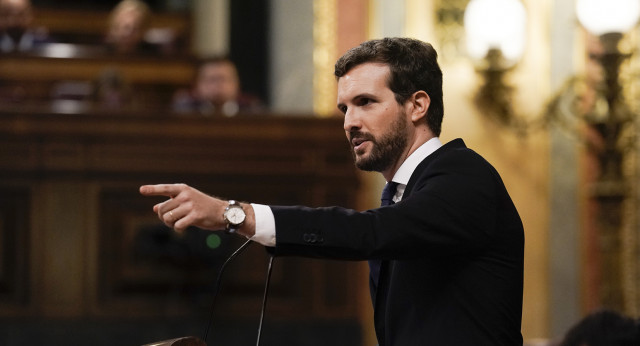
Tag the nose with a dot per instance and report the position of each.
(351, 121)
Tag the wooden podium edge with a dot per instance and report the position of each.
(182, 341)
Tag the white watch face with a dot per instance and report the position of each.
(235, 215)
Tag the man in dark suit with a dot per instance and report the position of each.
(446, 248)
(17, 33)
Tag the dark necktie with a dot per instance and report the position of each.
(387, 193)
(386, 199)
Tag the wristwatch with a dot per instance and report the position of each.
(234, 216)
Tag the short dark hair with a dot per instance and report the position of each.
(413, 65)
(604, 328)
(214, 60)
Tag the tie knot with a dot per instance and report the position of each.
(388, 192)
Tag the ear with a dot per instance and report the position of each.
(420, 102)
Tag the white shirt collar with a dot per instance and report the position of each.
(26, 43)
(409, 165)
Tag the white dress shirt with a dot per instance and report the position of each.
(26, 43)
(265, 221)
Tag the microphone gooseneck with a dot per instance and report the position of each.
(264, 299)
(217, 284)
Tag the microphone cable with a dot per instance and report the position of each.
(217, 284)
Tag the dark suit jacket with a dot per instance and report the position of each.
(452, 252)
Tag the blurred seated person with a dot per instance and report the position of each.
(127, 25)
(216, 91)
(112, 90)
(18, 34)
(108, 91)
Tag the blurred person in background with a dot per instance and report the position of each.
(127, 25)
(604, 328)
(18, 34)
(112, 90)
(216, 90)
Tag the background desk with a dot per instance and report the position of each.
(83, 255)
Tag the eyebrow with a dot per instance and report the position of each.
(364, 95)
(357, 97)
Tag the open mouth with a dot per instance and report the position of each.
(359, 143)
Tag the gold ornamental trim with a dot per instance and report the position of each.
(324, 52)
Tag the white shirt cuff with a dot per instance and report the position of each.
(265, 225)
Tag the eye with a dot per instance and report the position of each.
(342, 109)
(363, 101)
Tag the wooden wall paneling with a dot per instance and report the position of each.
(44, 77)
(102, 251)
(15, 232)
(63, 248)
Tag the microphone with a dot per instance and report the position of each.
(218, 280)
(194, 341)
(264, 299)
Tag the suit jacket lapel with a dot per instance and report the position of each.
(454, 144)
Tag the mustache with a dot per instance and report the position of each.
(357, 135)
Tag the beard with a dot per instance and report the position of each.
(386, 149)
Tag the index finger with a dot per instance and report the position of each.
(168, 190)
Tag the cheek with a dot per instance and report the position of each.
(383, 118)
